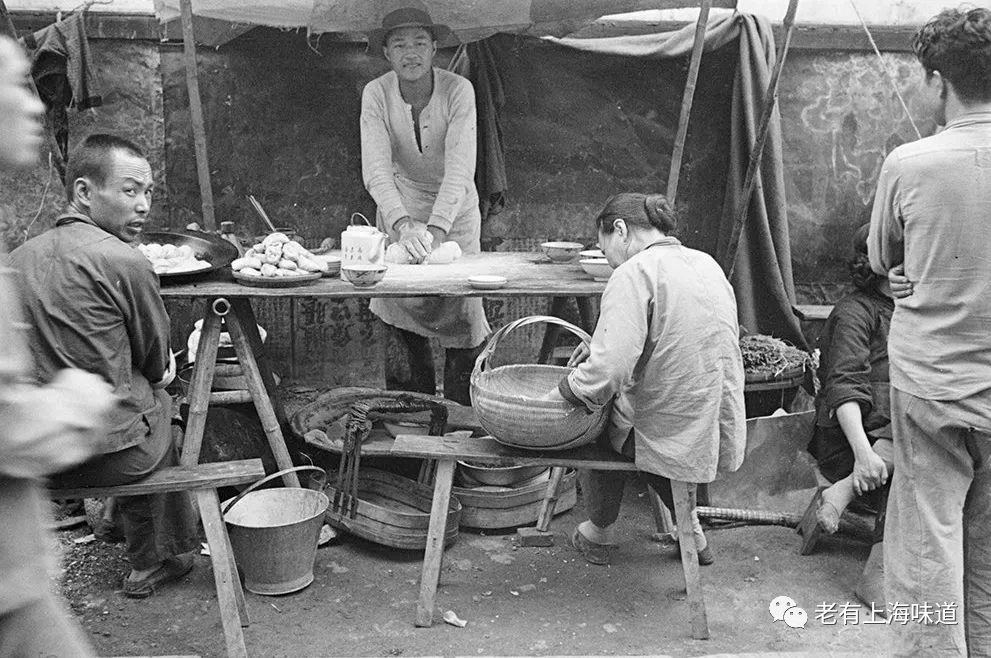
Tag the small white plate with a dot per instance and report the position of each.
(486, 281)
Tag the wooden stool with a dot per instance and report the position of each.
(204, 480)
(809, 528)
(449, 449)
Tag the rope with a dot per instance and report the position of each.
(877, 51)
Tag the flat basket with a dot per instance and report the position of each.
(510, 405)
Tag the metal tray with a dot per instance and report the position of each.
(211, 248)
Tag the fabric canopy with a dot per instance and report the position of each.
(762, 278)
(471, 20)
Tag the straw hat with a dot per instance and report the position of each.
(409, 13)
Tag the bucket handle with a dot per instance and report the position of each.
(358, 214)
(269, 478)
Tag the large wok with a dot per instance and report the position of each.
(207, 246)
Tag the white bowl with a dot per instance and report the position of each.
(598, 268)
(561, 252)
(486, 281)
(362, 275)
(592, 253)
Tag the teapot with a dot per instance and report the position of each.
(363, 243)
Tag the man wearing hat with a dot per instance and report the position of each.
(418, 163)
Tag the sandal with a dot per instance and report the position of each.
(592, 552)
(172, 568)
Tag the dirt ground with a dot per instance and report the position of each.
(517, 601)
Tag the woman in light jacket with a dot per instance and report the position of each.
(666, 355)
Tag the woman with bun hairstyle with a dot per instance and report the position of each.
(665, 354)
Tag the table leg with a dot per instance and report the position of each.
(242, 307)
(689, 559)
(551, 333)
(263, 404)
(550, 499)
(200, 385)
(434, 554)
(585, 315)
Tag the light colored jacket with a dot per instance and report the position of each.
(666, 354)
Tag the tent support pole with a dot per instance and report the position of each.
(686, 100)
(196, 114)
(750, 180)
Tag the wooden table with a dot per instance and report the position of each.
(527, 274)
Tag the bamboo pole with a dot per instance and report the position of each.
(674, 172)
(196, 114)
(771, 99)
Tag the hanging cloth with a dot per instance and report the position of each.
(762, 279)
(62, 70)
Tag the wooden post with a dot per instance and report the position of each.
(196, 114)
(756, 155)
(686, 100)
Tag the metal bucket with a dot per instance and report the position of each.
(274, 534)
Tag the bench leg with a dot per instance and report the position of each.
(224, 574)
(434, 554)
(690, 560)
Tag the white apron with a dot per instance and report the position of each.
(456, 322)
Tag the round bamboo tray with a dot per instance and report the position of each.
(511, 403)
(487, 508)
(393, 511)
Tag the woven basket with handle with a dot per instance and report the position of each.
(508, 400)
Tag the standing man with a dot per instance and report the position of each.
(932, 214)
(418, 163)
(92, 302)
(42, 430)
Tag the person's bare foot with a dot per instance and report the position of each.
(829, 512)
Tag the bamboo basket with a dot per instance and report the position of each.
(509, 405)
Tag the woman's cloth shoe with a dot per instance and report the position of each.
(592, 552)
(172, 568)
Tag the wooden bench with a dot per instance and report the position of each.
(448, 450)
(204, 480)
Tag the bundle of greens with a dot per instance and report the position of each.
(766, 355)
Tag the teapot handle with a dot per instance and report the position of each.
(358, 214)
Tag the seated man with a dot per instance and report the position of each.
(92, 302)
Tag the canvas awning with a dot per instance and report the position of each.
(471, 20)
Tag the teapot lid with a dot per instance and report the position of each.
(358, 228)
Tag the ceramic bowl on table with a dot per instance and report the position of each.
(592, 253)
(561, 252)
(486, 281)
(363, 275)
(598, 268)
